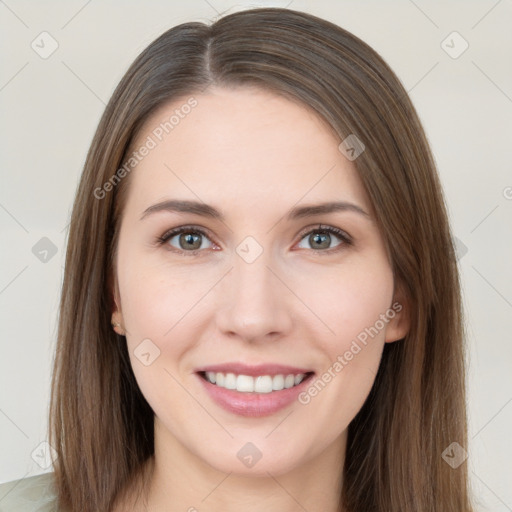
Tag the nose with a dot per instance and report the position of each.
(254, 303)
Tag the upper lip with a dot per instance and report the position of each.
(254, 370)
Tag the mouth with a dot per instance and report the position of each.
(255, 383)
(253, 390)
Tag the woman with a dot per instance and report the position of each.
(261, 306)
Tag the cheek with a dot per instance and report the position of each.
(350, 302)
(156, 297)
(162, 309)
(356, 310)
(156, 309)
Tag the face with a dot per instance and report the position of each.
(250, 282)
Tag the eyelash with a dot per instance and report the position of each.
(344, 237)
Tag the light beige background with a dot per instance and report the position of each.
(50, 108)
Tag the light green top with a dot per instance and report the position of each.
(32, 494)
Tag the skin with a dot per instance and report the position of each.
(254, 156)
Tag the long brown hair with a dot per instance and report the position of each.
(101, 425)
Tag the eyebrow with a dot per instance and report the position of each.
(205, 210)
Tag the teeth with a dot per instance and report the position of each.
(245, 384)
(259, 384)
(289, 381)
(263, 384)
(278, 383)
(229, 381)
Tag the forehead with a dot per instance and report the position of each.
(243, 144)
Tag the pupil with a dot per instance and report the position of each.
(189, 239)
(318, 239)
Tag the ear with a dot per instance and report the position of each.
(117, 314)
(399, 316)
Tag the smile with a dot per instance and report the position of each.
(269, 388)
(254, 384)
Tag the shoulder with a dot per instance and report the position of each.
(32, 494)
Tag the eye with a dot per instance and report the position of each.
(321, 238)
(188, 239)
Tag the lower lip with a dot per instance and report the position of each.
(253, 404)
